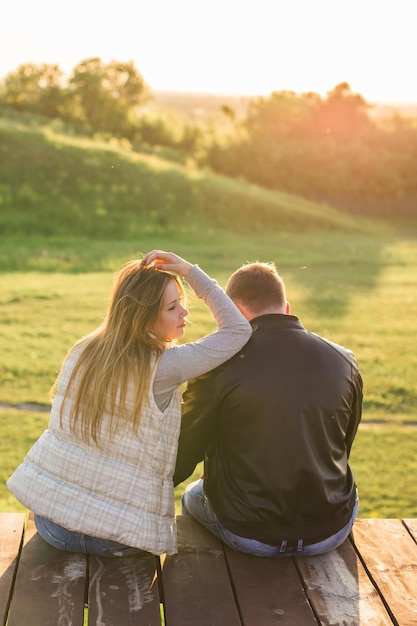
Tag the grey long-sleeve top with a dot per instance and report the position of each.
(180, 363)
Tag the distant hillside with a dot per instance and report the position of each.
(202, 106)
(383, 110)
(53, 184)
(199, 106)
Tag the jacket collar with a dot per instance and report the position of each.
(278, 321)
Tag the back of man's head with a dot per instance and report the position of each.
(258, 288)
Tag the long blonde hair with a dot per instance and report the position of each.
(118, 353)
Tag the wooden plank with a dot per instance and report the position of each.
(49, 588)
(339, 589)
(411, 524)
(11, 533)
(390, 555)
(196, 584)
(268, 591)
(123, 590)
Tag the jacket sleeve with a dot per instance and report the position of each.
(199, 412)
(356, 410)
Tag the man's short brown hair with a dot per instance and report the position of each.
(257, 286)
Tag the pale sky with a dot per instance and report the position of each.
(247, 47)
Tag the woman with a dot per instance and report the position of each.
(99, 480)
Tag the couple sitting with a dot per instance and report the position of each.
(272, 409)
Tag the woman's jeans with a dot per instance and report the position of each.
(196, 504)
(63, 539)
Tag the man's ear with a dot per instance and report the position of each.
(287, 308)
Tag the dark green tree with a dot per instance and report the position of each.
(36, 89)
(343, 114)
(284, 114)
(108, 94)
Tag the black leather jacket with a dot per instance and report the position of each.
(275, 425)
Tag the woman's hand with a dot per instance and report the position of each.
(167, 261)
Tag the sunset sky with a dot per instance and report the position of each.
(226, 46)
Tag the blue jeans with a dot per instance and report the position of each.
(196, 504)
(69, 541)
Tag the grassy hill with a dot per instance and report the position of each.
(53, 184)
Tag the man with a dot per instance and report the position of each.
(275, 426)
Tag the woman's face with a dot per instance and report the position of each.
(170, 322)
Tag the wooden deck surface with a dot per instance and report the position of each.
(370, 579)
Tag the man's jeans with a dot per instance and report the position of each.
(63, 539)
(196, 504)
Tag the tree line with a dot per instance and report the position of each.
(326, 148)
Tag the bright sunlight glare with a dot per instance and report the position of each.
(226, 46)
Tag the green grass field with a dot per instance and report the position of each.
(347, 279)
(358, 291)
